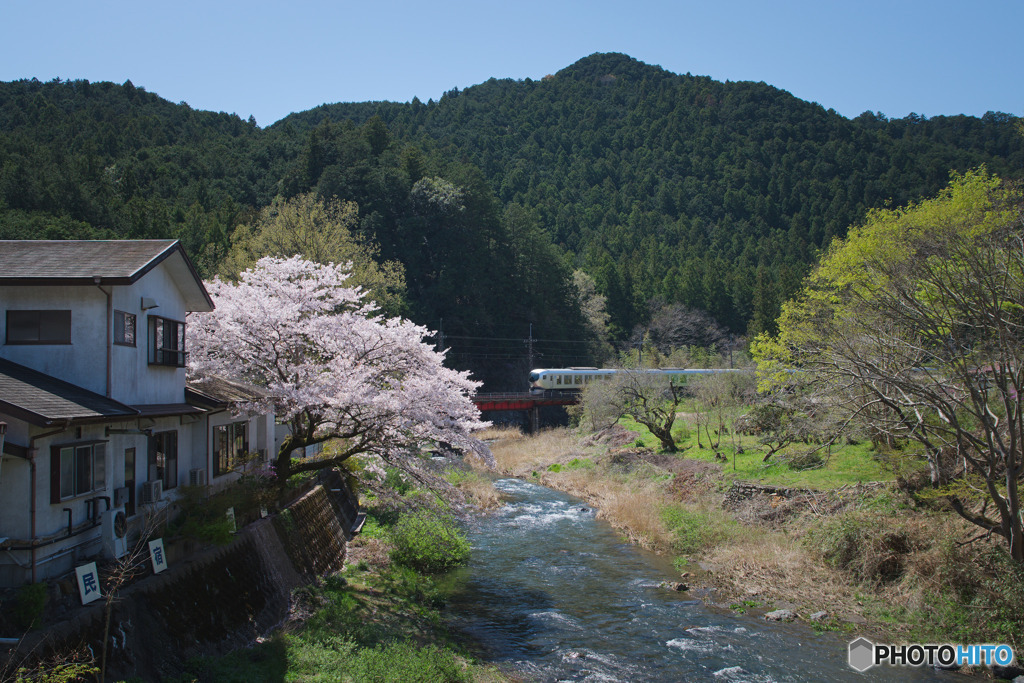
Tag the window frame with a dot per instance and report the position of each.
(79, 483)
(236, 446)
(168, 356)
(65, 315)
(167, 471)
(119, 329)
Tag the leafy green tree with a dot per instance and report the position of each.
(915, 325)
(322, 231)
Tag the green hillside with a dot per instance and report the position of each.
(715, 195)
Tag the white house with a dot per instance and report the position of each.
(93, 348)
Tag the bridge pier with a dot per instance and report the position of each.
(534, 419)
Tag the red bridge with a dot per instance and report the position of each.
(527, 401)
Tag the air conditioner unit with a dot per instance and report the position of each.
(152, 491)
(197, 477)
(120, 497)
(114, 533)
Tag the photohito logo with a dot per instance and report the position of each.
(863, 654)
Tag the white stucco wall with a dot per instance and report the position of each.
(52, 518)
(84, 361)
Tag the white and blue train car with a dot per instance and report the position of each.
(574, 379)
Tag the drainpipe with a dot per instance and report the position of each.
(110, 324)
(32, 450)
(3, 433)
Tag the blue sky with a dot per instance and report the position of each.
(269, 59)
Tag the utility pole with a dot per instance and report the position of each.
(440, 335)
(529, 348)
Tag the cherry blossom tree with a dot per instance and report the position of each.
(333, 368)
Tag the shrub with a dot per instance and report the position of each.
(397, 481)
(872, 547)
(428, 542)
(691, 531)
(28, 605)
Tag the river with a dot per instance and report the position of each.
(558, 596)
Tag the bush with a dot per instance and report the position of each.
(405, 663)
(691, 531)
(28, 605)
(872, 547)
(428, 542)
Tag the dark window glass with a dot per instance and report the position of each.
(82, 469)
(124, 328)
(167, 342)
(163, 458)
(230, 446)
(38, 327)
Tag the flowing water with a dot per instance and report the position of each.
(558, 595)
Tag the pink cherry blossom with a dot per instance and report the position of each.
(333, 367)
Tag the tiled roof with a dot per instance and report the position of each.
(46, 401)
(113, 262)
(74, 259)
(219, 392)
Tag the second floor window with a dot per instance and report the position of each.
(124, 328)
(38, 327)
(167, 342)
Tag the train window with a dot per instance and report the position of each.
(558, 379)
(579, 379)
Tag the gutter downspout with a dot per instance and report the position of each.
(32, 450)
(110, 324)
(3, 434)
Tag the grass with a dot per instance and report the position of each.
(846, 464)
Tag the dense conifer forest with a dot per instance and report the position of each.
(663, 187)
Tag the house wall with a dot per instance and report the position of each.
(83, 362)
(51, 519)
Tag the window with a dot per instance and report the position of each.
(167, 342)
(163, 458)
(38, 327)
(77, 469)
(230, 444)
(124, 328)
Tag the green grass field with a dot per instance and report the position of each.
(842, 465)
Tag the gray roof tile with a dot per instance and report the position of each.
(43, 400)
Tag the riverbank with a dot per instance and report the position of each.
(379, 619)
(866, 558)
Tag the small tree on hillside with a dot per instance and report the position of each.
(332, 367)
(651, 400)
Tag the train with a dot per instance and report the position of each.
(574, 379)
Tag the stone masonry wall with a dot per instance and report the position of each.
(212, 602)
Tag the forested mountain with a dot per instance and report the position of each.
(713, 195)
(716, 195)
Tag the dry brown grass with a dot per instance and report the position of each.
(499, 433)
(522, 456)
(479, 492)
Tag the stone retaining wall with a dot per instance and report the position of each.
(212, 602)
